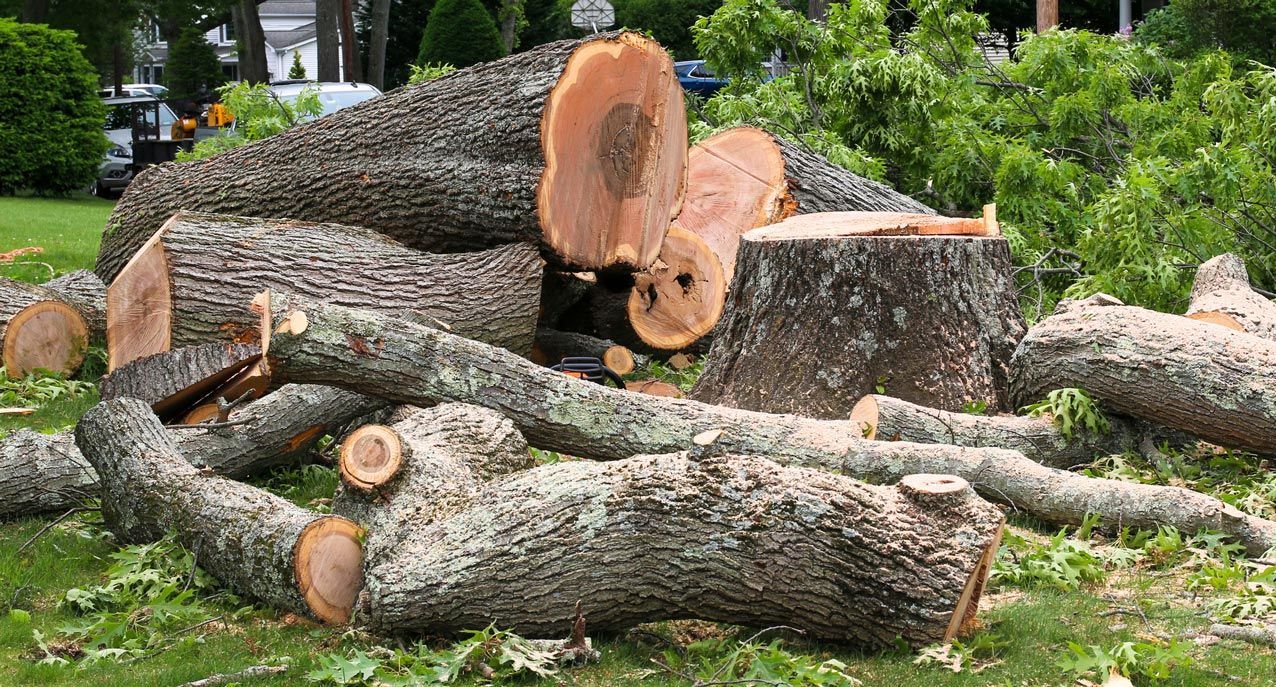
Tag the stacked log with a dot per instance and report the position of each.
(175, 381)
(578, 147)
(39, 331)
(85, 292)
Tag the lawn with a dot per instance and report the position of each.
(1141, 600)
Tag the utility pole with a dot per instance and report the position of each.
(1047, 15)
(1126, 17)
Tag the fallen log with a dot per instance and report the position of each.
(1214, 383)
(39, 331)
(577, 146)
(174, 381)
(1221, 295)
(1039, 438)
(805, 332)
(189, 283)
(1261, 636)
(745, 178)
(86, 293)
(321, 343)
(667, 537)
(553, 345)
(254, 542)
(43, 473)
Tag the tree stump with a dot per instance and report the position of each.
(579, 147)
(829, 307)
(39, 331)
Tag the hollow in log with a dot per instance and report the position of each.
(1221, 295)
(39, 331)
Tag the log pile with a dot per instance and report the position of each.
(39, 330)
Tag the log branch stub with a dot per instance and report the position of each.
(39, 331)
(371, 456)
(1221, 295)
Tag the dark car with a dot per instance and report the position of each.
(696, 77)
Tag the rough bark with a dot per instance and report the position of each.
(254, 542)
(318, 343)
(86, 293)
(1262, 636)
(174, 381)
(379, 19)
(1039, 438)
(729, 539)
(39, 331)
(1221, 294)
(42, 473)
(328, 33)
(251, 41)
(192, 281)
(805, 332)
(554, 345)
(1217, 384)
(513, 150)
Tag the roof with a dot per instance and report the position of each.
(287, 39)
(274, 8)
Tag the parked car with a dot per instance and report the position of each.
(696, 77)
(333, 95)
(116, 170)
(151, 89)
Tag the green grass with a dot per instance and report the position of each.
(68, 229)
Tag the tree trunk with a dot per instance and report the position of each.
(1039, 438)
(666, 537)
(1217, 384)
(351, 64)
(35, 11)
(252, 47)
(745, 178)
(817, 10)
(516, 150)
(553, 345)
(1261, 636)
(254, 542)
(1222, 295)
(1047, 15)
(86, 293)
(39, 331)
(805, 332)
(380, 29)
(328, 32)
(509, 23)
(320, 344)
(173, 381)
(42, 473)
(192, 282)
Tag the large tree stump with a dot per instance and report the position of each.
(577, 146)
(252, 541)
(825, 309)
(745, 178)
(39, 331)
(326, 344)
(173, 381)
(1221, 295)
(85, 292)
(189, 283)
(1210, 381)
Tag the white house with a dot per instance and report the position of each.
(289, 27)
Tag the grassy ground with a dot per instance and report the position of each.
(1137, 594)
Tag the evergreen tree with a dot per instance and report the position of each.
(193, 68)
(669, 21)
(298, 70)
(460, 33)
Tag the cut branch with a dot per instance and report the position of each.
(1222, 295)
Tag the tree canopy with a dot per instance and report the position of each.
(460, 33)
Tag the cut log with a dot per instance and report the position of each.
(254, 542)
(553, 345)
(1222, 295)
(174, 381)
(39, 331)
(1262, 636)
(43, 473)
(86, 293)
(189, 283)
(666, 537)
(745, 178)
(654, 387)
(806, 332)
(417, 365)
(889, 419)
(1210, 381)
(577, 146)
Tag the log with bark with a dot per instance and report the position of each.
(577, 146)
(826, 308)
(254, 542)
(85, 292)
(1221, 295)
(43, 473)
(1209, 381)
(552, 346)
(189, 283)
(174, 381)
(39, 331)
(326, 344)
(745, 178)
(730, 539)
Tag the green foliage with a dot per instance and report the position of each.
(683, 378)
(1063, 563)
(51, 118)
(751, 662)
(668, 21)
(429, 72)
(1185, 28)
(979, 653)
(258, 114)
(193, 70)
(1072, 410)
(460, 33)
(298, 70)
(37, 390)
(1155, 661)
(494, 655)
(1235, 478)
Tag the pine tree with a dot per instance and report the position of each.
(298, 70)
(460, 33)
(193, 69)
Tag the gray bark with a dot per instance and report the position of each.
(1262, 636)
(1215, 383)
(417, 365)
(251, 43)
(817, 185)
(177, 379)
(43, 473)
(380, 30)
(328, 30)
(86, 293)
(1222, 286)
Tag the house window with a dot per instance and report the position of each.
(157, 74)
(231, 71)
(228, 33)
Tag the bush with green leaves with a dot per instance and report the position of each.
(259, 113)
(192, 70)
(1185, 28)
(460, 33)
(51, 118)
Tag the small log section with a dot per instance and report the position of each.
(1195, 376)
(85, 292)
(1221, 295)
(745, 178)
(39, 331)
(254, 542)
(43, 473)
(552, 346)
(806, 332)
(579, 147)
(173, 381)
(189, 283)
(320, 344)
(709, 539)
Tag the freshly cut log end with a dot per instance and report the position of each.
(370, 457)
(139, 306)
(679, 298)
(329, 567)
(615, 143)
(39, 330)
(1219, 318)
(1221, 295)
(653, 387)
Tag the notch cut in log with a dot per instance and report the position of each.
(578, 147)
(39, 331)
(175, 381)
(805, 332)
(189, 282)
(1221, 295)
(255, 542)
(745, 178)
(552, 346)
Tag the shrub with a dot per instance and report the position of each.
(193, 68)
(298, 70)
(460, 33)
(51, 118)
(1186, 28)
(669, 21)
